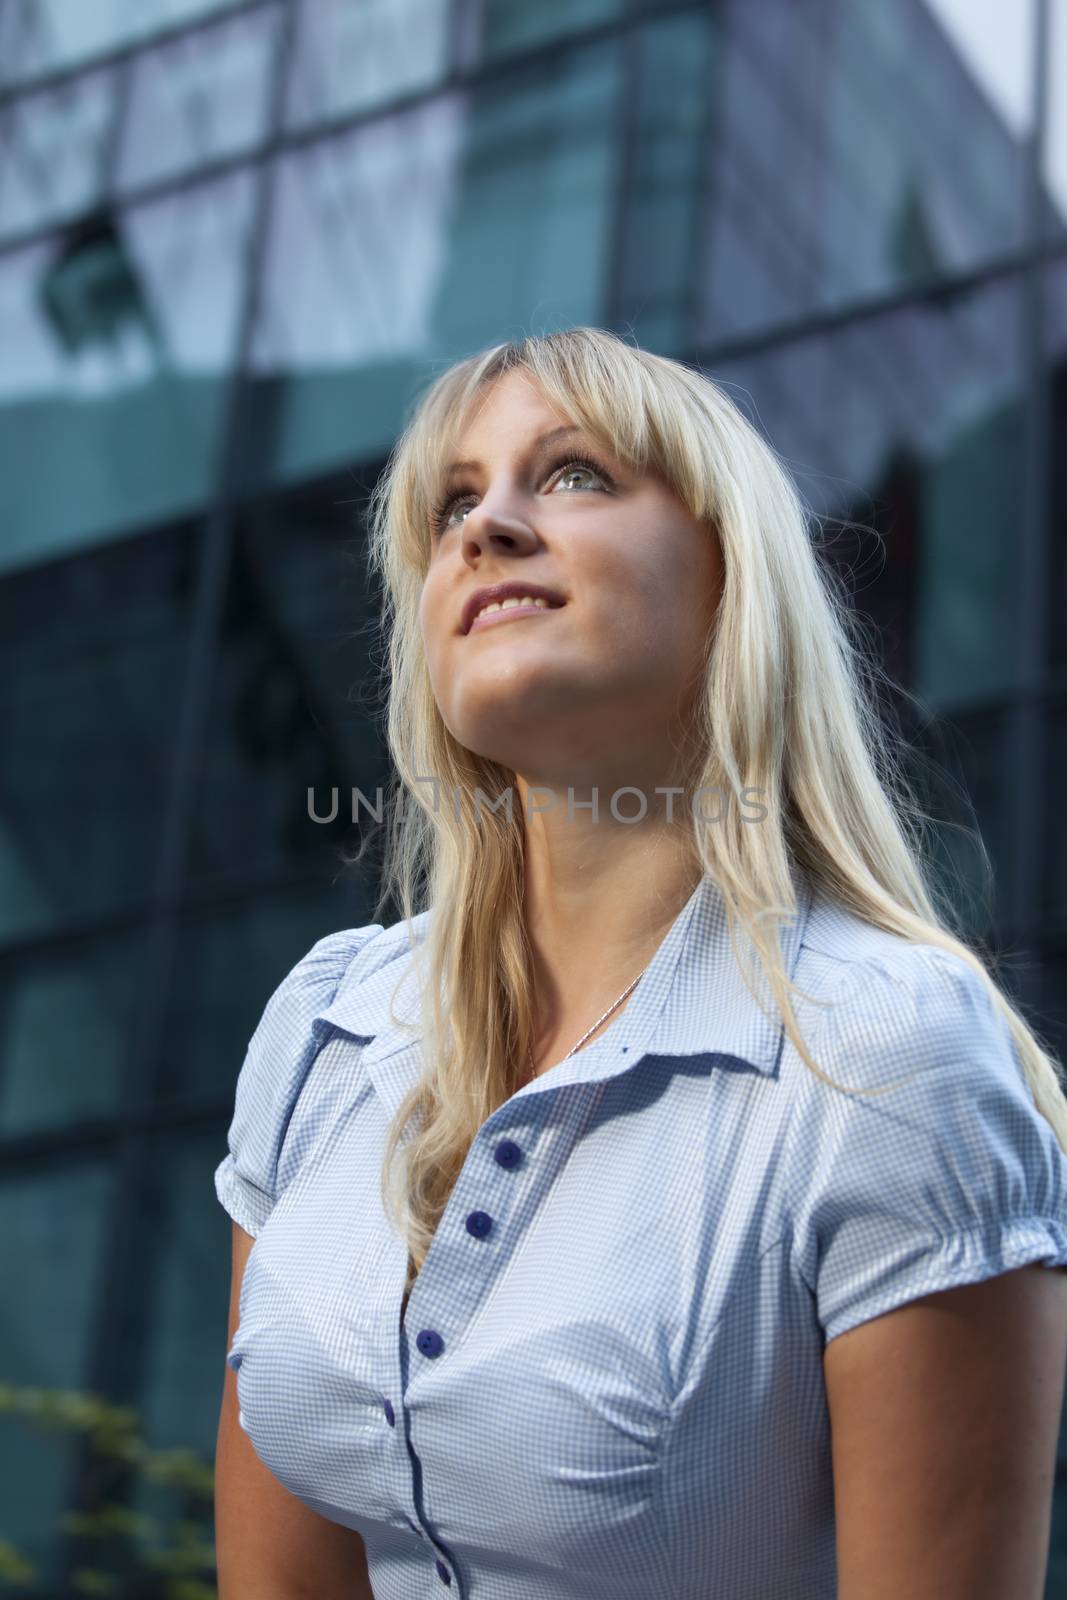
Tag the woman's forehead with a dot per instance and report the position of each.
(546, 415)
(515, 386)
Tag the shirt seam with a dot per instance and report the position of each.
(789, 1137)
(313, 1046)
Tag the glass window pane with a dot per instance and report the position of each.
(910, 423)
(965, 780)
(230, 960)
(87, 718)
(850, 160)
(54, 1231)
(39, 36)
(422, 237)
(1054, 165)
(1052, 1020)
(184, 1307)
(168, 1354)
(117, 345)
(349, 57)
(289, 706)
(530, 224)
(67, 1023)
(1054, 285)
(1053, 855)
(53, 150)
(198, 99)
(1056, 1572)
(660, 208)
(507, 27)
(358, 232)
(1055, 331)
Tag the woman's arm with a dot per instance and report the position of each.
(944, 1417)
(268, 1544)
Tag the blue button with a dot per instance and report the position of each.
(479, 1223)
(443, 1572)
(429, 1342)
(507, 1153)
(390, 1414)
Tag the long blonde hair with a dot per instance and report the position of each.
(787, 708)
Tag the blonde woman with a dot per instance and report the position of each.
(663, 1207)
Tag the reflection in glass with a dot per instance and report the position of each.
(88, 710)
(530, 225)
(350, 57)
(1051, 1018)
(67, 1020)
(39, 36)
(965, 782)
(53, 1237)
(117, 342)
(910, 423)
(357, 240)
(420, 237)
(200, 98)
(53, 149)
(507, 28)
(1056, 1574)
(1054, 885)
(1054, 164)
(1054, 291)
(850, 160)
(668, 105)
(289, 707)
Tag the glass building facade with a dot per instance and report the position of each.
(236, 238)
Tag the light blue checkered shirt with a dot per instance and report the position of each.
(609, 1382)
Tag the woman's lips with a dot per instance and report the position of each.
(487, 618)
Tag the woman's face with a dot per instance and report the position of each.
(592, 689)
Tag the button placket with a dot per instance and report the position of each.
(507, 1153)
(512, 1157)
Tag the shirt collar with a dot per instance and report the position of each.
(691, 1000)
(698, 1002)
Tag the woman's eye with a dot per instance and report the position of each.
(443, 512)
(569, 473)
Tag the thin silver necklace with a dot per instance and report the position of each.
(613, 1006)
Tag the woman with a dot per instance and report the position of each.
(722, 1179)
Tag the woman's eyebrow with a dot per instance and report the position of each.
(537, 447)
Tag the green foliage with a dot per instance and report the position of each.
(127, 1552)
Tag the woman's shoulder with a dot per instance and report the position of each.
(879, 1004)
(338, 963)
(318, 974)
(843, 953)
(280, 1053)
(924, 1163)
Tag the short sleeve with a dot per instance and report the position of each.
(276, 1063)
(951, 1177)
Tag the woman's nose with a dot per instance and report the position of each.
(490, 523)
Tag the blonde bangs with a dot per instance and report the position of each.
(650, 421)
